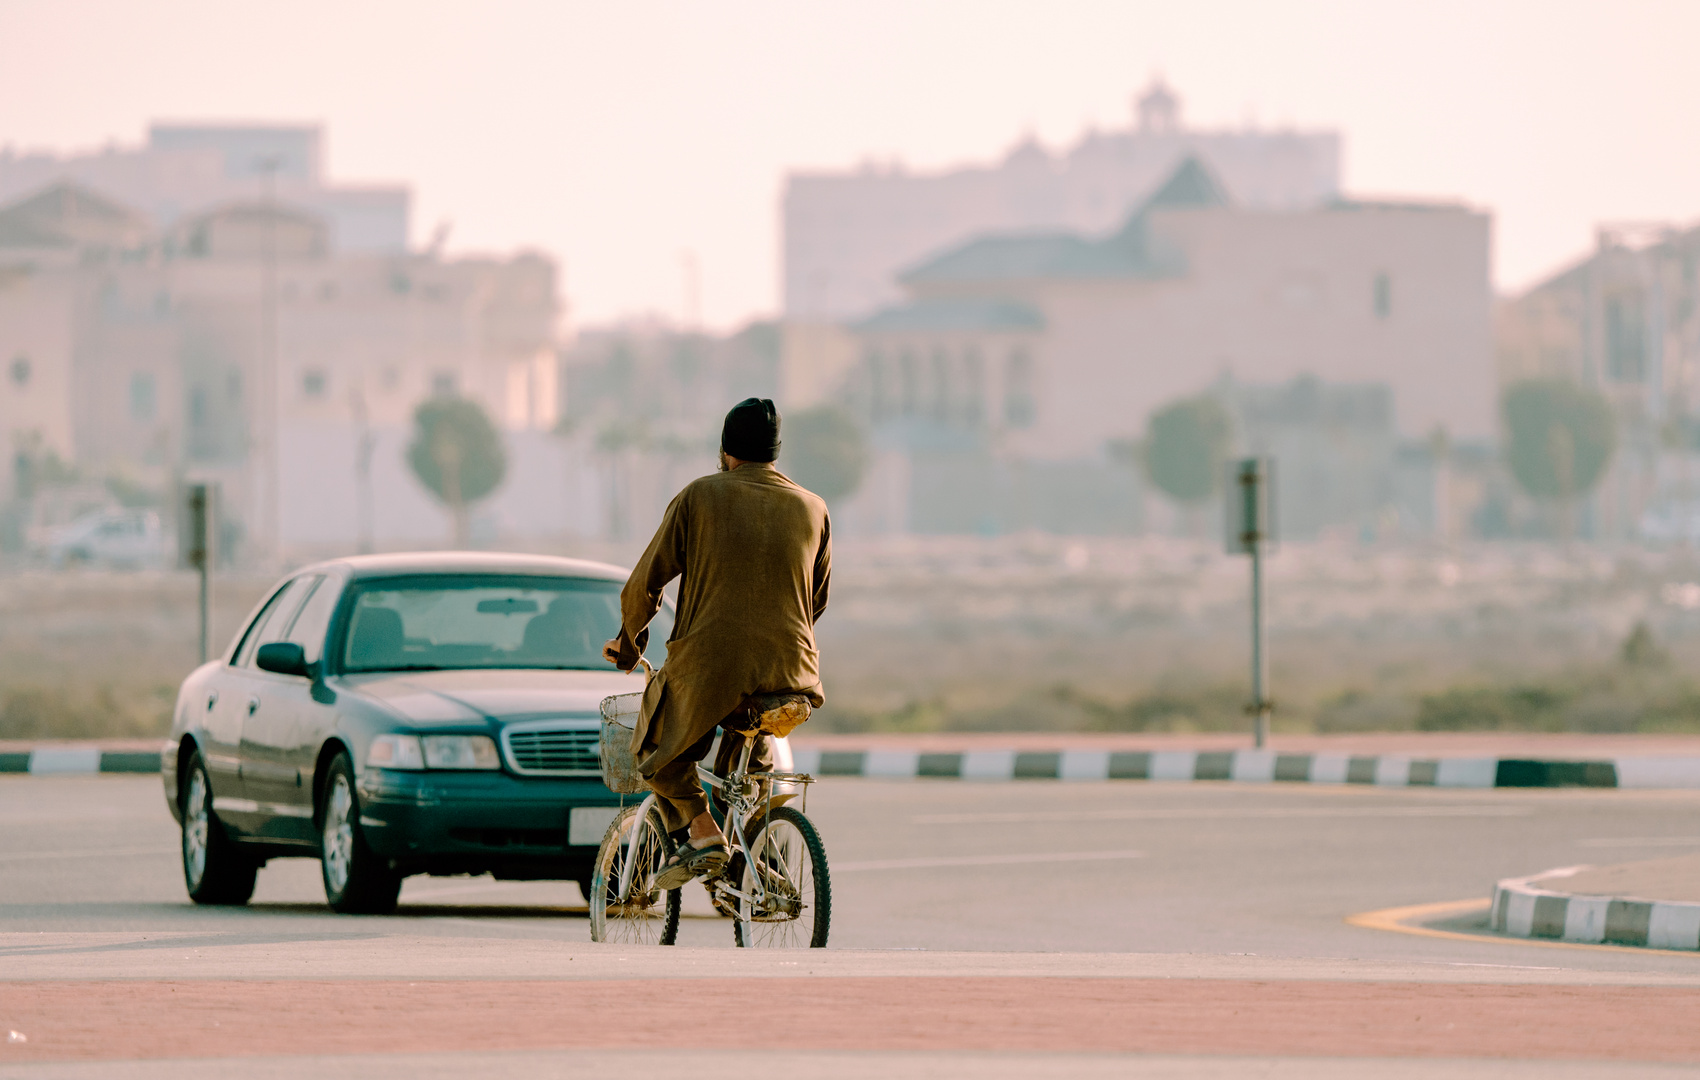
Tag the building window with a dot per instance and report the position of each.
(198, 407)
(142, 397)
(910, 373)
(233, 384)
(444, 384)
(1383, 296)
(974, 388)
(879, 391)
(313, 383)
(1626, 342)
(21, 370)
(941, 386)
(1019, 410)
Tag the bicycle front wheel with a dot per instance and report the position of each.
(646, 915)
(790, 907)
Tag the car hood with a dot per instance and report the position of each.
(459, 697)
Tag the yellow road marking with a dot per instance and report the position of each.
(1398, 920)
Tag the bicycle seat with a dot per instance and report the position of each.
(769, 714)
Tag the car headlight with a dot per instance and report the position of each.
(461, 752)
(396, 752)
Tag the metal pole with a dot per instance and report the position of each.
(1259, 657)
(200, 549)
(204, 593)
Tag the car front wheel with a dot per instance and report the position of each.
(213, 870)
(357, 880)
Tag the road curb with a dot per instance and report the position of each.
(1252, 766)
(1244, 766)
(72, 760)
(1521, 910)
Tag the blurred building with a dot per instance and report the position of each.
(1036, 351)
(644, 402)
(848, 236)
(1625, 320)
(186, 169)
(239, 344)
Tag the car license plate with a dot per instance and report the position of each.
(587, 824)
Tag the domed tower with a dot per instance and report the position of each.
(1159, 109)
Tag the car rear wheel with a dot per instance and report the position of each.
(357, 880)
(213, 870)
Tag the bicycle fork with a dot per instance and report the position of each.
(638, 819)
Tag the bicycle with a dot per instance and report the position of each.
(783, 895)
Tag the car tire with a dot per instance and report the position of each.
(214, 871)
(357, 880)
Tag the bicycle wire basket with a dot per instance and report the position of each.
(620, 714)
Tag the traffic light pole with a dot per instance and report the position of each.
(195, 542)
(1254, 528)
(1259, 656)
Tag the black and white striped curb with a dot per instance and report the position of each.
(1521, 910)
(1252, 766)
(44, 760)
(1247, 766)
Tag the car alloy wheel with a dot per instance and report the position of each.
(215, 871)
(357, 880)
(196, 824)
(339, 833)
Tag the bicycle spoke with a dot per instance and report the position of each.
(783, 864)
(645, 915)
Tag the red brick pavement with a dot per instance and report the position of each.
(115, 1020)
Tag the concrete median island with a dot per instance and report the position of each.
(1653, 903)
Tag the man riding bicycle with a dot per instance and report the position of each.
(753, 554)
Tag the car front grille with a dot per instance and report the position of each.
(553, 748)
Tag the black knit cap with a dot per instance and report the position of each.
(751, 432)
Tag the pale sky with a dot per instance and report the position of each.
(618, 135)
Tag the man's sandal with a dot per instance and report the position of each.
(690, 862)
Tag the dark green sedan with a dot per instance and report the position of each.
(404, 714)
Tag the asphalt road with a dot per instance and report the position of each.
(1238, 886)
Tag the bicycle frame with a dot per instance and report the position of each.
(735, 818)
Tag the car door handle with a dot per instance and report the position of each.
(212, 699)
(253, 705)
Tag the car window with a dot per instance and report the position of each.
(272, 622)
(487, 621)
(314, 619)
(252, 630)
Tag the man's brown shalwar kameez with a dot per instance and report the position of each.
(753, 553)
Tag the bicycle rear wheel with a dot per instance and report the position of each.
(795, 911)
(646, 915)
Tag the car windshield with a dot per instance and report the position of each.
(486, 621)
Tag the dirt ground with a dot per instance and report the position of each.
(1054, 634)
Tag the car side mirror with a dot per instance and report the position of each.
(283, 657)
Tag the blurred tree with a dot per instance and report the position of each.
(1640, 649)
(1185, 448)
(825, 451)
(457, 454)
(1560, 439)
(617, 441)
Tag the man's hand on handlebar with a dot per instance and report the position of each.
(611, 653)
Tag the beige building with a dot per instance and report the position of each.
(848, 236)
(1624, 320)
(238, 345)
(1046, 348)
(186, 169)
